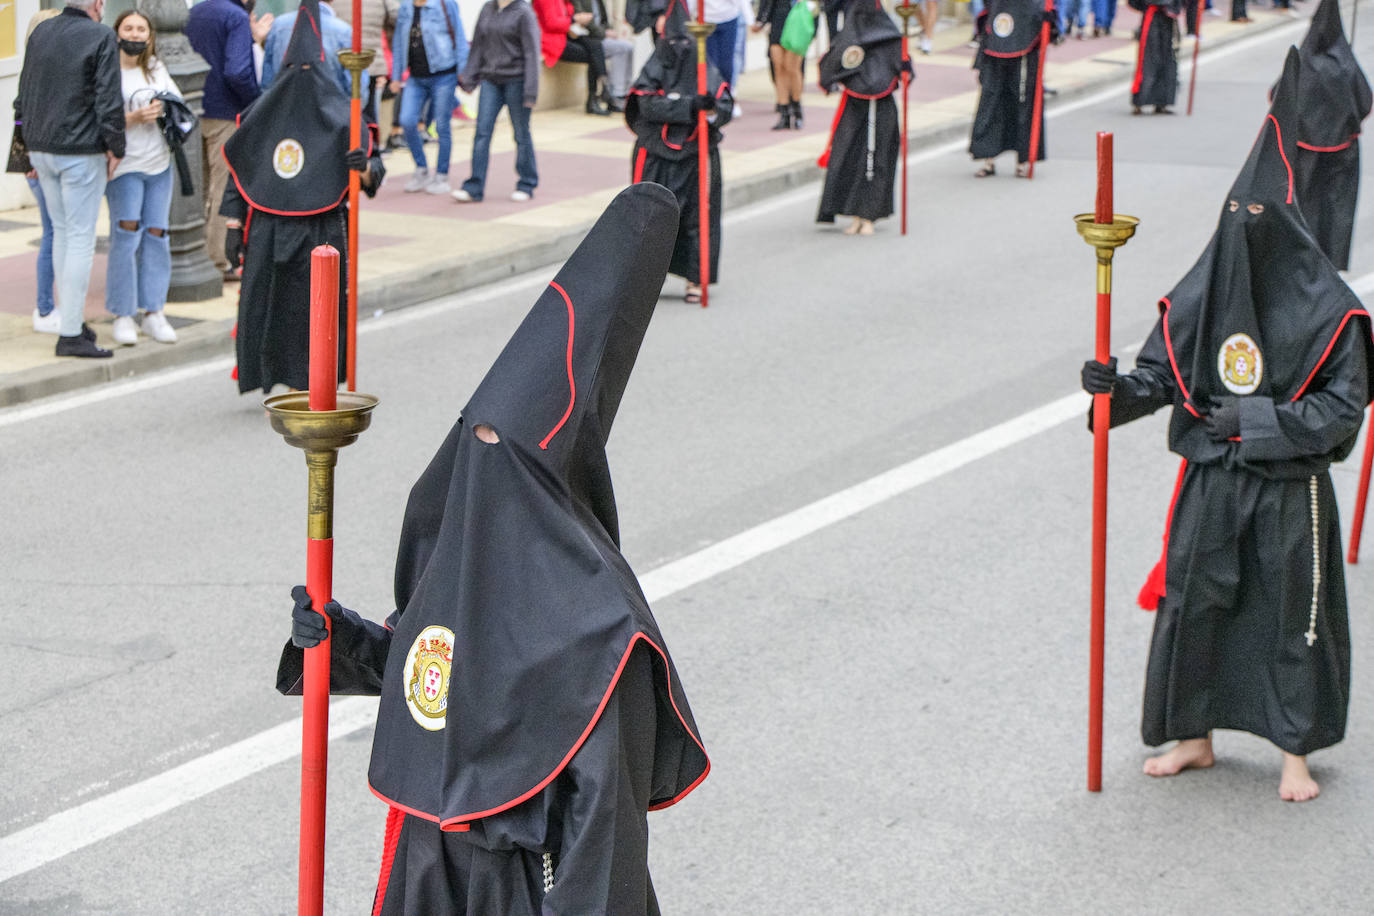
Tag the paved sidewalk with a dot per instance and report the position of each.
(418, 246)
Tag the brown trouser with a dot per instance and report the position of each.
(213, 133)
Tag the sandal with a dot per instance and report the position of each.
(1022, 169)
(693, 295)
(985, 171)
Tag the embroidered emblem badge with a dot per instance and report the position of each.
(288, 158)
(428, 662)
(1240, 364)
(1003, 24)
(852, 57)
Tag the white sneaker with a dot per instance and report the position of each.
(736, 112)
(925, 44)
(519, 196)
(50, 323)
(1214, 12)
(125, 331)
(463, 197)
(438, 184)
(156, 326)
(419, 180)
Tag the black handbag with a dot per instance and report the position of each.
(19, 153)
(176, 122)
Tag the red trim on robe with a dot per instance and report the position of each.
(1327, 352)
(1330, 149)
(572, 384)
(824, 159)
(639, 164)
(1152, 592)
(255, 205)
(1140, 55)
(390, 837)
(1279, 134)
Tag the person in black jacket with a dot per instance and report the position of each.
(72, 112)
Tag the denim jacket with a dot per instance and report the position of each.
(441, 51)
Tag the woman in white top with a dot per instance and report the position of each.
(139, 193)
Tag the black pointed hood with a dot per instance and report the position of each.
(287, 156)
(516, 610)
(866, 56)
(1259, 310)
(1336, 96)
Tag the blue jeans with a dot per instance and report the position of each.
(45, 303)
(438, 91)
(1076, 12)
(140, 263)
(1104, 13)
(741, 40)
(72, 186)
(720, 49)
(493, 97)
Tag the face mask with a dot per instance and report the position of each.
(132, 48)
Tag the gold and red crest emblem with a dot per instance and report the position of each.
(1240, 364)
(288, 158)
(429, 661)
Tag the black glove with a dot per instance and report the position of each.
(356, 159)
(233, 246)
(1223, 421)
(307, 625)
(704, 102)
(1099, 378)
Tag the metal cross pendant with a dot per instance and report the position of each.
(1311, 637)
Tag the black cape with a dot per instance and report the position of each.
(530, 714)
(1156, 64)
(289, 185)
(1008, 63)
(659, 112)
(1335, 101)
(865, 62)
(1251, 631)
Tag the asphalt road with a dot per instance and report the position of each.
(895, 702)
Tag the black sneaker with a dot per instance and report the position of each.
(81, 346)
(87, 333)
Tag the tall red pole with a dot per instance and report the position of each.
(1362, 494)
(355, 134)
(1038, 105)
(319, 580)
(1197, 43)
(906, 86)
(1102, 412)
(703, 162)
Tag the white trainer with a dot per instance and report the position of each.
(419, 180)
(462, 196)
(156, 326)
(125, 331)
(438, 184)
(50, 323)
(519, 196)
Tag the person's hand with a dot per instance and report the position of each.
(1223, 421)
(31, 174)
(529, 104)
(582, 18)
(658, 24)
(233, 245)
(356, 159)
(758, 27)
(1099, 378)
(260, 26)
(145, 115)
(111, 163)
(308, 627)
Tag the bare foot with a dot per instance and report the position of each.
(853, 228)
(1193, 754)
(1296, 784)
(865, 227)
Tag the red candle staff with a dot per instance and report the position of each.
(356, 60)
(321, 422)
(699, 30)
(1361, 495)
(1105, 231)
(906, 11)
(1038, 105)
(1197, 43)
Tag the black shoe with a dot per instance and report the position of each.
(396, 141)
(784, 117)
(796, 115)
(87, 333)
(80, 346)
(596, 108)
(616, 105)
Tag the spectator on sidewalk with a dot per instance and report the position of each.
(1076, 15)
(1104, 14)
(930, 17)
(69, 103)
(335, 36)
(618, 50)
(503, 62)
(221, 31)
(433, 47)
(379, 18)
(46, 318)
(139, 195)
(725, 15)
(787, 66)
(565, 35)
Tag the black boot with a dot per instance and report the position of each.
(594, 107)
(796, 114)
(82, 344)
(784, 117)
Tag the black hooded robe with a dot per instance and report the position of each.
(1251, 630)
(1156, 64)
(861, 163)
(289, 187)
(1008, 63)
(1336, 100)
(530, 714)
(659, 112)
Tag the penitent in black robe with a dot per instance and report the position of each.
(530, 714)
(1156, 64)
(1336, 100)
(289, 187)
(1251, 632)
(860, 161)
(659, 111)
(1008, 62)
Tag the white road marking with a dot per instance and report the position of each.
(75, 828)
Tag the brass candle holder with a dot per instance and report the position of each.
(1105, 239)
(355, 62)
(906, 11)
(320, 433)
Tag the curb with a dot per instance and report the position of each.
(211, 339)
